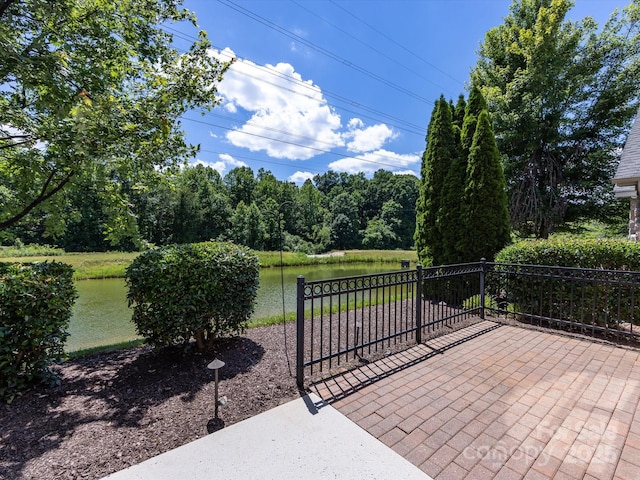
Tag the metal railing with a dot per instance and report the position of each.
(348, 321)
(351, 320)
(596, 302)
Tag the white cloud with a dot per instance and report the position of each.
(300, 177)
(230, 107)
(226, 162)
(355, 123)
(290, 112)
(367, 139)
(372, 161)
(407, 172)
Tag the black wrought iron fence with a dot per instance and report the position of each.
(357, 319)
(597, 302)
(346, 321)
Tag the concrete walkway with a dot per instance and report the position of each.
(502, 402)
(294, 441)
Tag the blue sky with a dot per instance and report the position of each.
(336, 84)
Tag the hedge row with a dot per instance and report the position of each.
(35, 307)
(603, 254)
(602, 297)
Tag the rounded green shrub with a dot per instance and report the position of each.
(198, 292)
(35, 307)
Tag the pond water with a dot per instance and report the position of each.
(101, 316)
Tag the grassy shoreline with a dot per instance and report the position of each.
(100, 265)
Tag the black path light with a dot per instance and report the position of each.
(215, 366)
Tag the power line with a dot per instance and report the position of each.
(398, 123)
(305, 85)
(271, 129)
(260, 160)
(392, 40)
(319, 150)
(368, 45)
(410, 127)
(323, 51)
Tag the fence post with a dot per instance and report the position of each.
(483, 265)
(300, 333)
(419, 304)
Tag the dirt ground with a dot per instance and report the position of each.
(117, 409)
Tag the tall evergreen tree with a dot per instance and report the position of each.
(459, 111)
(440, 153)
(449, 213)
(449, 218)
(485, 217)
(473, 108)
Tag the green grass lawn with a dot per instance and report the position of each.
(114, 264)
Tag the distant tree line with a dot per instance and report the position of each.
(91, 141)
(196, 203)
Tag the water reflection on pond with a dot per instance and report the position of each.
(101, 315)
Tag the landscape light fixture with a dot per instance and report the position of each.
(215, 366)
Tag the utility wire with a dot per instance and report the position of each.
(392, 40)
(271, 129)
(368, 45)
(400, 123)
(410, 127)
(259, 160)
(319, 150)
(323, 51)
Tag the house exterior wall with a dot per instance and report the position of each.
(634, 211)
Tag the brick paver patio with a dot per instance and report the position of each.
(502, 402)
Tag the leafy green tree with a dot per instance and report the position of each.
(155, 210)
(311, 212)
(378, 235)
(267, 186)
(391, 214)
(343, 231)
(93, 83)
(86, 221)
(345, 220)
(247, 226)
(208, 215)
(276, 196)
(404, 192)
(241, 185)
(273, 238)
(325, 182)
(484, 215)
(561, 95)
(441, 151)
(381, 233)
(378, 190)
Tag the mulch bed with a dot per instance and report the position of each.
(113, 410)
